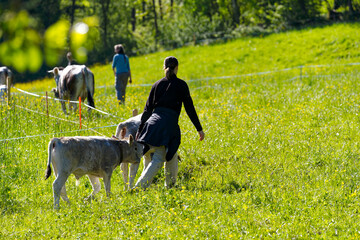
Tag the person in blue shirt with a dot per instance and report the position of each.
(121, 68)
(71, 61)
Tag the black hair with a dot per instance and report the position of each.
(170, 63)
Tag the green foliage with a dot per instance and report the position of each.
(20, 47)
(23, 46)
(144, 26)
(279, 159)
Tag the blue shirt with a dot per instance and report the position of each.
(121, 63)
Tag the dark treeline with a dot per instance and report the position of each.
(144, 26)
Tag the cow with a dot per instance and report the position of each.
(124, 129)
(6, 81)
(96, 157)
(73, 82)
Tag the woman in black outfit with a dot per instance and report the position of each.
(159, 130)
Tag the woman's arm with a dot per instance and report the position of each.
(190, 109)
(148, 109)
(130, 80)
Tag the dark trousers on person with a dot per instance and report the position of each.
(121, 81)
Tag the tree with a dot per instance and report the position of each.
(155, 20)
(236, 12)
(104, 20)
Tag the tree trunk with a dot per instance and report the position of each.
(72, 13)
(105, 8)
(236, 12)
(133, 19)
(143, 3)
(155, 21)
(171, 7)
(160, 9)
(351, 8)
(303, 10)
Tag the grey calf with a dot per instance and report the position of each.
(96, 157)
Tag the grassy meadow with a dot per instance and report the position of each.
(280, 158)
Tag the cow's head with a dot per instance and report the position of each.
(56, 92)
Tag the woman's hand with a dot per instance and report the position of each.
(202, 135)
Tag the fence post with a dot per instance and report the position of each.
(80, 111)
(8, 90)
(47, 105)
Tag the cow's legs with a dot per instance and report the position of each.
(73, 106)
(95, 185)
(133, 170)
(107, 184)
(171, 171)
(57, 188)
(125, 173)
(63, 106)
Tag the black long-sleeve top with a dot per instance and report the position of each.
(170, 93)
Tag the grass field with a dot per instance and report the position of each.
(280, 159)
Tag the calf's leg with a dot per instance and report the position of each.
(133, 170)
(95, 185)
(57, 188)
(107, 184)
(147, 159)
(125, 173)
(63, 194)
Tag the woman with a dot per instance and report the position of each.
(159, 130)
(121, 68)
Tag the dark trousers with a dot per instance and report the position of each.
(121, 81)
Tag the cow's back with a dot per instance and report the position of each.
(4, 73)
(72, 83)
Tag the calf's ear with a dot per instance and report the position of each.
(122, 133)
(131, 139)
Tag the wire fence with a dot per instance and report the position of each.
(301, 75)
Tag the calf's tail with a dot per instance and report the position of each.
(48, 169)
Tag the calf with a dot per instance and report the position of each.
(124, 129)
(96, 157)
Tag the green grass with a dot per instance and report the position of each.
(280, 159)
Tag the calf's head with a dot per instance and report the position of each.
(131, 150)
(136, 147)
